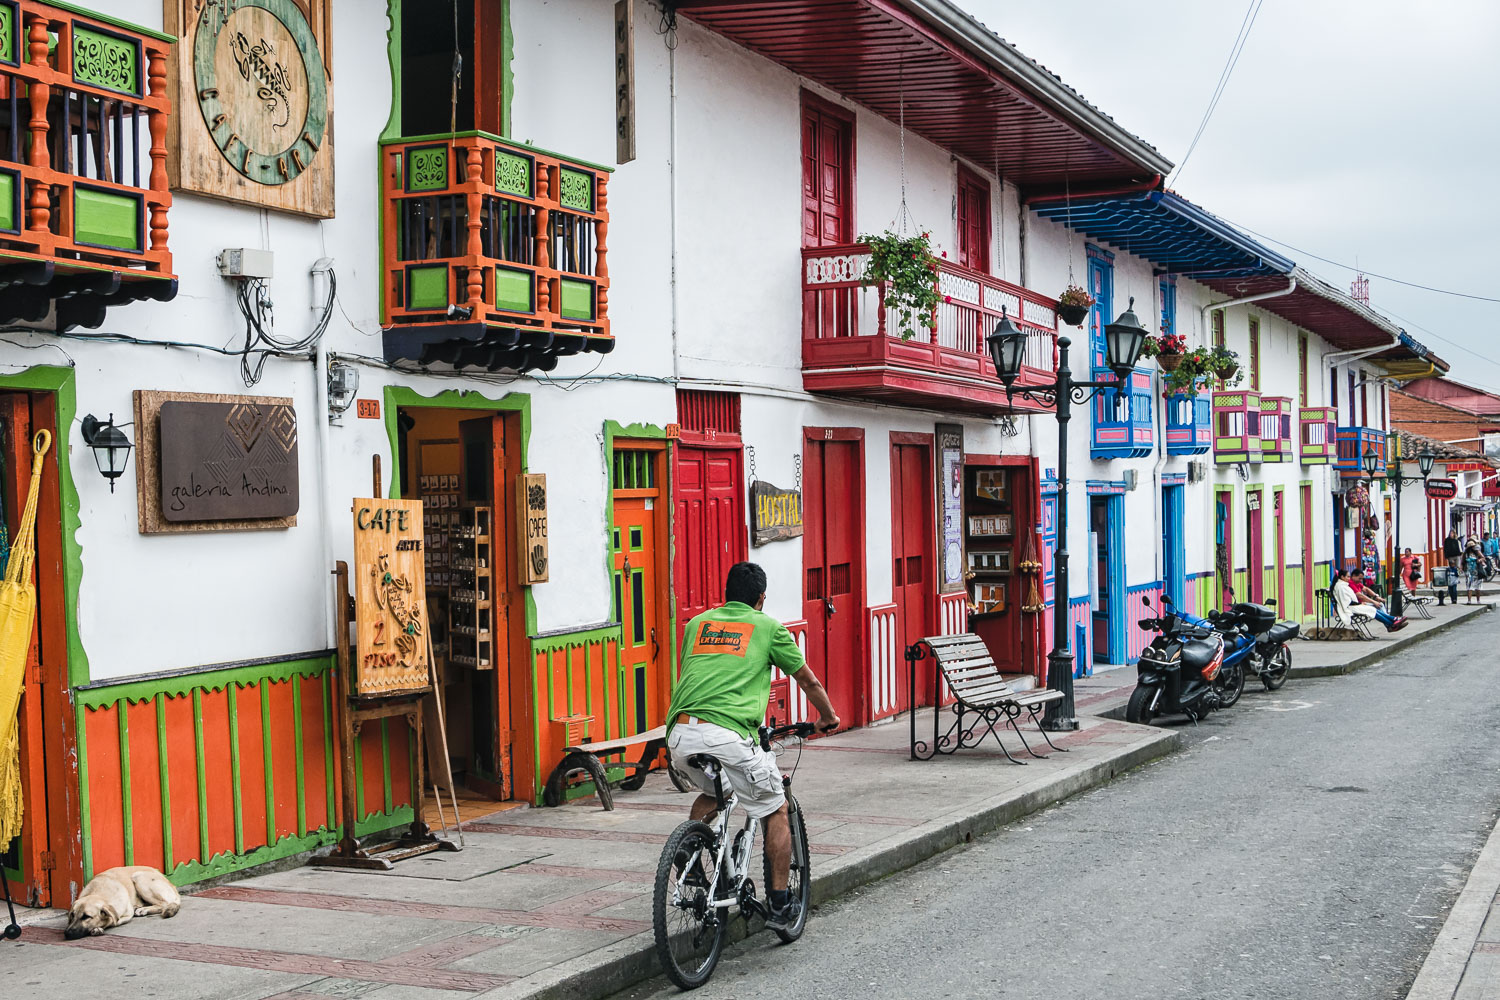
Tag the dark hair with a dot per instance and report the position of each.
(1338, 574)
(1357, 571)
(745, 583)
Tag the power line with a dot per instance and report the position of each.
(1240, 38)
(1359, 270)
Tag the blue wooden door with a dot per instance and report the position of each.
(1173, 544)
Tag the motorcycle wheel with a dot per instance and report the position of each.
(1231, 684)
(1276, 671)
(1139, 709)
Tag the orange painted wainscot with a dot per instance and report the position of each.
(581, 694)
(215, 769)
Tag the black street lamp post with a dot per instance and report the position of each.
(1123, 340)
(1395, 480)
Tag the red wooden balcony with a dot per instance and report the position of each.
(494, 253)
(852, 345)
(83, 177)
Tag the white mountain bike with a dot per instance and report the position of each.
(704, 874)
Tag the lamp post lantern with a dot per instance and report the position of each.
(1395, 481)
(1123, 340)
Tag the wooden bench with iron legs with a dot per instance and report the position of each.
(583, 758)
(979, 689)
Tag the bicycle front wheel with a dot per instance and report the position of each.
(799, 878)
(689, 931)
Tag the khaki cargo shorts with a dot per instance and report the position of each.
(749, 770)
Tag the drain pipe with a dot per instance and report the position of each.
(325, 491)
(672, 195)
(1289, 289)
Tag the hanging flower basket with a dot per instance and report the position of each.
(1073, 305)
(1169, 362)
(1227, 372)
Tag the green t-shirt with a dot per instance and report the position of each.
(727, 654)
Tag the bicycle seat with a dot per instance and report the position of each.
(703, 761)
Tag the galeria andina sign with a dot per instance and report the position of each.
(390, 597)
(775, 514)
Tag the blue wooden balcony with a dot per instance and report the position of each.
(1123, 421)
(1351, 445)
(1189, 424)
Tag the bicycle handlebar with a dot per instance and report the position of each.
(771, 733)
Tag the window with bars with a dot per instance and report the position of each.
(635, 469)
(708, 413)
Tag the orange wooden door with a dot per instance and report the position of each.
(639, 571)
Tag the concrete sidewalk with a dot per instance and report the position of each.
(554, 902)
(1464, 963)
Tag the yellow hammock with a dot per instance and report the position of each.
(17, 609)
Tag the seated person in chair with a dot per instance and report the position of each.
(1367, 596)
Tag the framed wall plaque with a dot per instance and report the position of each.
(215, 462)
(252, 102)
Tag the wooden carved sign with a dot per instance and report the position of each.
(390, 602)
(531, 529)
(253, 102)
(227, 461)
(775, 514)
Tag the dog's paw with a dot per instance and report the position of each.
(144, 911)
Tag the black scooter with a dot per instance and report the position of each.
(1176, 671)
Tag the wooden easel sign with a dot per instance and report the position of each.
(390, 596)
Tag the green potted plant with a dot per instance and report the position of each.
(1073, 305)
(1225, 364)
(1169, 350)
(1192, 366)
(908, 270)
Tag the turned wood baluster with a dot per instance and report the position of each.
(475, 200)
(601, 235)
(41, 191)
(156, 75)
(543, 247)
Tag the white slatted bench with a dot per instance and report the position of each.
(978, 689)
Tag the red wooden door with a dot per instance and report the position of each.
(973, 220)
(1309, 567)
(833, 571)
(1255, 559)
(827, 177)
(912, 569)
(1279, 523)
(709, 526)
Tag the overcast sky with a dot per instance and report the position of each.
(1364, 129)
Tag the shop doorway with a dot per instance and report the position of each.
(1173, 544)
(1223, 537)
(39, 862)
(1107, 526)
(1278, 527)
(999, 513)
(1309, 566)
(913, 573)
(638, 553)
(1255, 548)
(462, 464)
(833, 547)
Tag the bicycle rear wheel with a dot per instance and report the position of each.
(799, 879)
(689, 932)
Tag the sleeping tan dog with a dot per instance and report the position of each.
(112, 897)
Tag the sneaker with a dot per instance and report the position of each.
(784, 917)
(1397, 625)
(693, 878)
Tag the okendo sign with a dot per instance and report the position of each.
(227, 461)
(775, 514)
(1442, 489)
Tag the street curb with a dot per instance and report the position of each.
(625, 963)
(1376, 655)
(1443, 970)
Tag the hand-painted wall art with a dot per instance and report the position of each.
(254, 99)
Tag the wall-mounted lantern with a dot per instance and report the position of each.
(111, 446)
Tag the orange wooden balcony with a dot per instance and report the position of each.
(83, 177)
(852, 345)
(493, 253)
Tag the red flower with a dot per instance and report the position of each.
(947, 298)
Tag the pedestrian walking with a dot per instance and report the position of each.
(1411, 571)
(1453, 552)
(1473, 570)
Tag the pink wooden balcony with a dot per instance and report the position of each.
(852, 345)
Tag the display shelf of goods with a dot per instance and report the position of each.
(990, 529)
(471, 596)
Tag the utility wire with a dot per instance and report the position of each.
(1246, 24)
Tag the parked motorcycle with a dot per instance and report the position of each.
(1254, 642)
(1177, 671)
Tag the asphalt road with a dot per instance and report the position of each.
(1306, 843)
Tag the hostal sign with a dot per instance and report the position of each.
(775, 513)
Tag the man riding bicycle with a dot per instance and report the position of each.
(722, 692)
